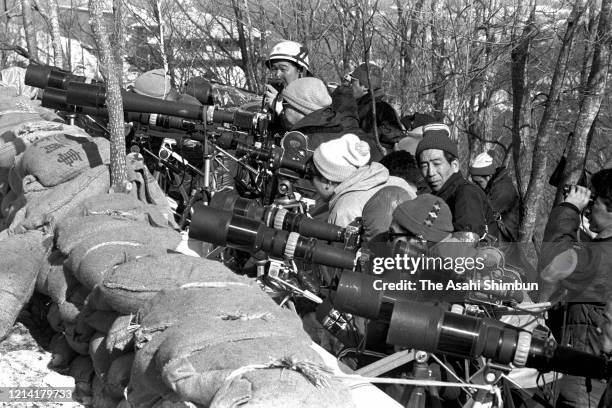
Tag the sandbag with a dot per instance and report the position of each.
(78, 337)
(146, 188)
(51, 206)
(7, 202)
(146, 386)
(16, 134)
(82, 370)
(60, 158)
(280, 388)
(122, 206)
(62, 354)
(70, 231)
(101, 399)
(54, 280)
(127, 287)
(4, 184)
(20, 260)
(101, 357)
(236, 326)
(100, 320)
(118, 375)
(91, 262)
(121, 334)
(55, 319)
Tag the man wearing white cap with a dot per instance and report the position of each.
(497, 184)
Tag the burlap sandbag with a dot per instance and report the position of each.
(82, 371)
(7, 203)
(146, 188)
(49, 207)
(4, 184)
(118, 375)
(78, 337)
(121, 334)
(280, 388)
(55, 319)
(20, 260)
(236, 326)
(52, 265)
(101, 357)
(146, 386)
(15, 181)
(59, 158)
(127, 287)
(61, 353)
(90, 263)
(122, 206)
(17, 135)
(101, 398)
(72, 230)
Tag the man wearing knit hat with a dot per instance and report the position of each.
(345, 179)
(388, 125)
(308, 108)
(437, 156)
(497, 185)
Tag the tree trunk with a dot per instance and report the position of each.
(114, 103)
(592, 97)
(543, 139)
(56, 36)
(521, 108)
(244, 49)
(437, 63)
(30, 32)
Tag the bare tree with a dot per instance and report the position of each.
(114, 102)
(592, 98)
(29, 28)
(541, 151)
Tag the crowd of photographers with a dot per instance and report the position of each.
(402, 179)
(352, 178)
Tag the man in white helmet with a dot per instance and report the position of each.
(287, 62)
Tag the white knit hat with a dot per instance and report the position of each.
(337, 159)
(482, 165)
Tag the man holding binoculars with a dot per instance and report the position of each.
(583, 270)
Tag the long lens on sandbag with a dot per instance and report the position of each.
(47, 76)
(95, 95)
(220, 227)
(279, 218)
(426, 327)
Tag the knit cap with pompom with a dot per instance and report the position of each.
(337, 159)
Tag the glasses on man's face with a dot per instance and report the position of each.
(589, 207)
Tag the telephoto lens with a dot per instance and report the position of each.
(279, 218)
(224, 228)
(430, 328)
(46, 76)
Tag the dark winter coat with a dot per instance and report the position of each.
(469, 205)
(334, 121)
(505, 203)
(388, 124)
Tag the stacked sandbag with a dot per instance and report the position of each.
(190, 342)
(22, 123)
(20, 259)
(99, 233)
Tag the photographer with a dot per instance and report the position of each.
(345, 179)
(583, 269)
(389, 127)
(308, 108)
(287, 62)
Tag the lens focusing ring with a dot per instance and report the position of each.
(292, 241)
(522, 349)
